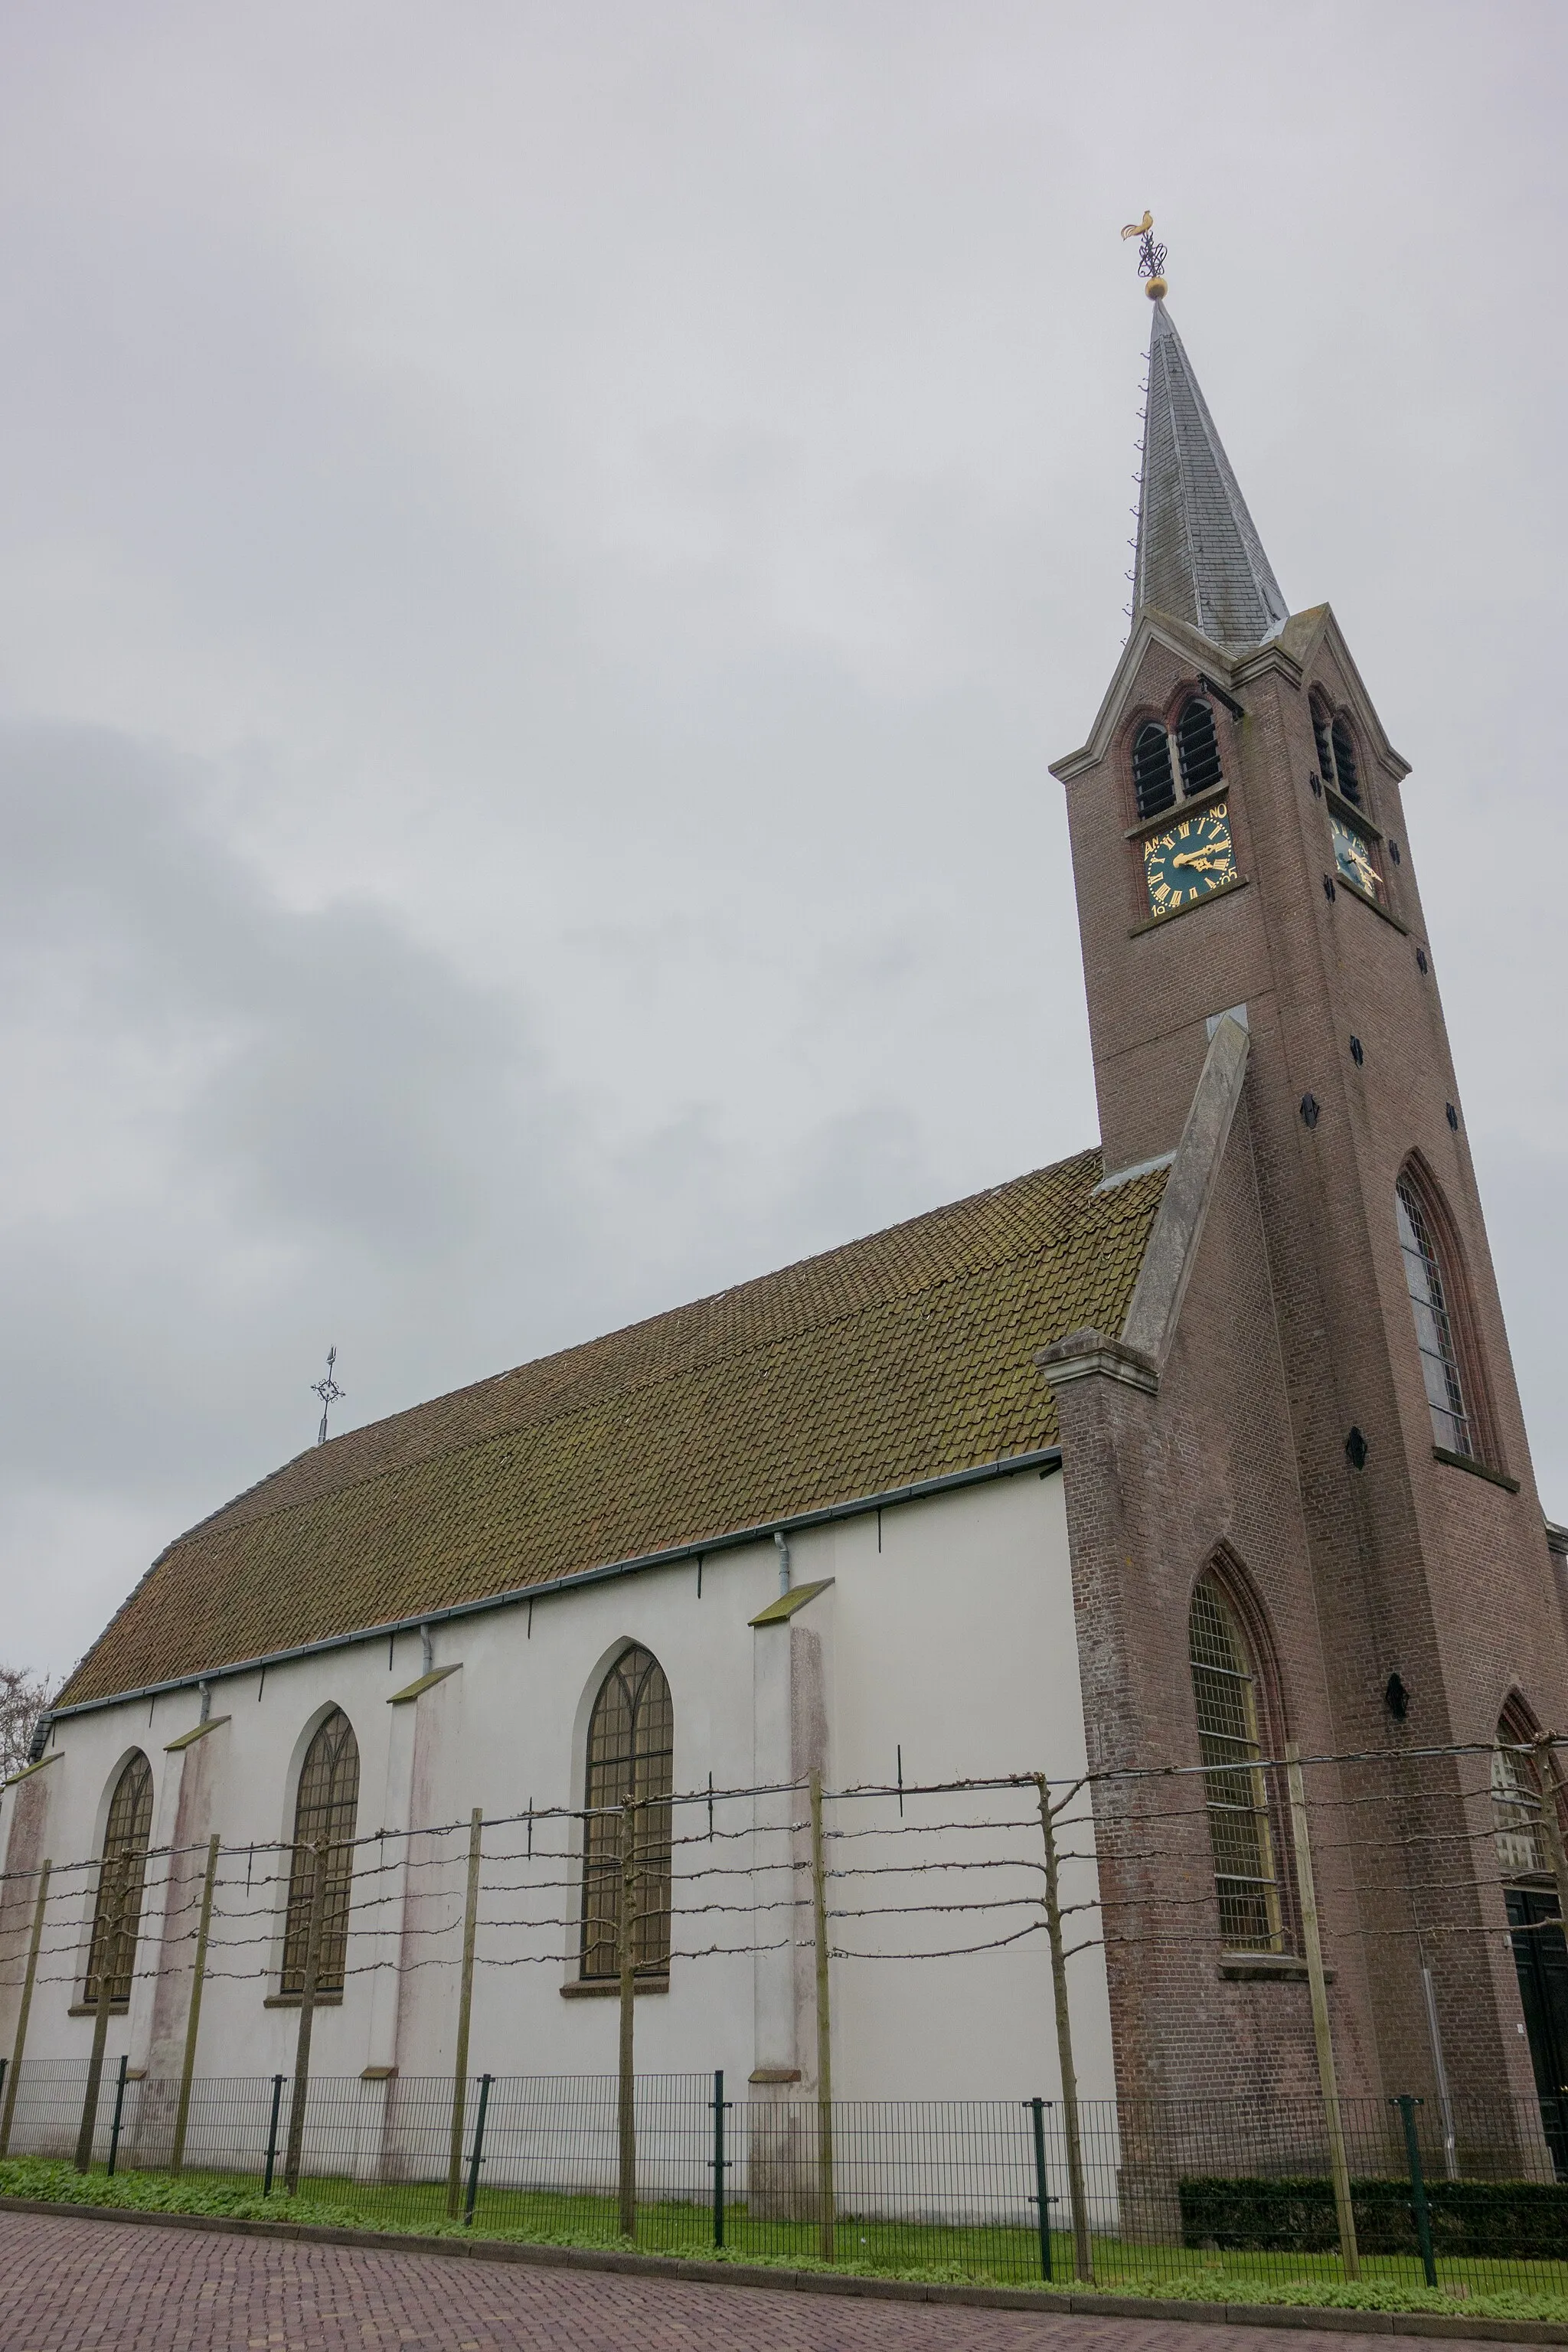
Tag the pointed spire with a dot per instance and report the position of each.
(1199, 556)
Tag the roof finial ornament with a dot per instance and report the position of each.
(329, 1392)
(1150, 256)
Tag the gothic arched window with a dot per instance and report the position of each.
(631, 1755)
(1432, 1302)
(1198, 747)
(325, 1810)
(117, 1912)
(1154, 785)
(1516, 1801)
(1241, 1830)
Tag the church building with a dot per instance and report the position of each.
(1200, 1442)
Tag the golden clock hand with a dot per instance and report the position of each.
(1200, 858)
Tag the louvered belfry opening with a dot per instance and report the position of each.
(117, 1912)
(1154, 785)
(325, 1812)
(1241, 1832)
(1198, 747)
(631, 1755)
(1325, 747)
(1346, 775)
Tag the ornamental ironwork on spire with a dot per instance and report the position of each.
(1199, 558)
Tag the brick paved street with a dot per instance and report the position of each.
(66, 2285)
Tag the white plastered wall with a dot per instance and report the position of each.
(946, 1634)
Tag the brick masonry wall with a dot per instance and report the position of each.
(1297, 1325)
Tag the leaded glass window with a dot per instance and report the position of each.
(1434, 1325)
(1224, 1690)
(325, 1811)
(631, 1755)
(1516, 1808)
(117, 1912)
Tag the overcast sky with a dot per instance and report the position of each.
(544, 550)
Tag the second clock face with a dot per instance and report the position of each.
(1354, 857)
(1190, 860)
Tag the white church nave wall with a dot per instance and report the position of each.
(946, 1632)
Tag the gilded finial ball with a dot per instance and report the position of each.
(1156, 289)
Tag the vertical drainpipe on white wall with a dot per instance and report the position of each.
(426, 1651)
(780, 1539)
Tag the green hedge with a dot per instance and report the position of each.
(1521, 2218)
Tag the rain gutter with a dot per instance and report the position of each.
(1043, 1458)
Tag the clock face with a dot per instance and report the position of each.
(1353, 855)
(1193, 859)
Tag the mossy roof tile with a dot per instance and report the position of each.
(896, 1358)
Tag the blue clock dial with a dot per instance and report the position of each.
(1193, 859)
(1353, 857)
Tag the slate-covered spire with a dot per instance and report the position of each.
(1199, 556)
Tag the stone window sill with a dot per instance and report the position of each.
(1267, 1968)
(291, 2000)
(89, 2009)
(610, 1988)
(1179, 808)
(1476, 1469)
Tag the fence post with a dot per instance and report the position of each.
(1419, 2207)
(625, 2111)
(719, 2156)
(1082, 2246)
(104, 1983)
(14, 2072)
(825, 2199)
(194, 2015)
(464, 2011)
(1350, 2255)
(272, 2134)
(119, 2116)
(1042, 2189)
(485, 2082)
(307, 2018)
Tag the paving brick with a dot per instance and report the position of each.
(69, 2285)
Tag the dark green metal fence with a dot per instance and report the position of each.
(1214, 2197)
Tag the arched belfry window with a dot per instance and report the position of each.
(1154, 785)
(1230, 1718)
(117, 1911)
(1198, 747)
(325, 1811)
(1433, 1301)
(1346, 774)
(631, 1755)
(1336, 753)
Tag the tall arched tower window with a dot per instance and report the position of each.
(117, 1912)
(325, 1811)
(1241, 1830)
(1433, 1300)
(1516, 1803)
(631, 1755)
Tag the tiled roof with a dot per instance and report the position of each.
(1199, 556)
(898, 1358)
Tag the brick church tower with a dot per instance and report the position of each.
(1310, 1440)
